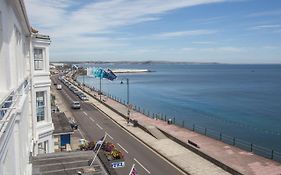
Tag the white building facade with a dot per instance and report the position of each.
(25, 114)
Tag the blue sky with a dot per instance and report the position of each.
(225, 31)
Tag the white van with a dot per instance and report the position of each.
(59, 87)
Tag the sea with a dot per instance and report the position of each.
(233, 101)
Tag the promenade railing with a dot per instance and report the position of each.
(234, 141)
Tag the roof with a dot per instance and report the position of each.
(65, 163)
(61, 124)
(40, 36)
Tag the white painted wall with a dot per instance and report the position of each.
(21, 132)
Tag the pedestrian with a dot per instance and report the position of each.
(128, 120)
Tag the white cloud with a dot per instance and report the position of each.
(59, 18)
(271, 26)
(68, 22)
(203, 42)
(184, 33)
(215, 49)
(266, 13)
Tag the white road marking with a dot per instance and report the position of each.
(122, 148)
(99, 126)
(81, 133)
(109, 136)
(141, 165)
(85, 113)
(91, 119)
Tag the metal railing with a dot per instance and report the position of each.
(8, 103)
(234, 141)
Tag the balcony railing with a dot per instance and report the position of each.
(8, 104)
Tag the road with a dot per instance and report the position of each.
(94, 124)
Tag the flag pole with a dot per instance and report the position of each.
(98, 150)
(132, 169)
(100, 88)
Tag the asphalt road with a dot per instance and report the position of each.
(93, 125)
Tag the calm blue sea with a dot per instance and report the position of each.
(242, 101)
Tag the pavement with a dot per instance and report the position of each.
(242, 161)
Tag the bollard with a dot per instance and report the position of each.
(251, 147)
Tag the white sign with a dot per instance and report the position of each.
(118, 164)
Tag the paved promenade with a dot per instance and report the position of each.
(239, 160)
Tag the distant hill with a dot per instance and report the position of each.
(132, 62)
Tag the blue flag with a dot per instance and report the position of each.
(101, 73)
(110, 75)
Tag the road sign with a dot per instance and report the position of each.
(117, 164)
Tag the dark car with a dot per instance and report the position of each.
(73, 124)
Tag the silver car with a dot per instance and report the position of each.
(75, 105)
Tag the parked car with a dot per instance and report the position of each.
(72, 88)
(84, 98)
(75, 105)
(79, 93)
(76, 91)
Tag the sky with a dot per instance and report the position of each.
(223, 31)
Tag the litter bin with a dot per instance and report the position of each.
(169, 121)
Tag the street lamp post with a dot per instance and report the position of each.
(100, 89)
(128, 97)
(83, 80)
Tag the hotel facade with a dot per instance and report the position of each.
(25, 112)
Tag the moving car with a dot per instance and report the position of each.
(59, 87)
(75, 105)
(73, 124)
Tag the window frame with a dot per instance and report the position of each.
(39, 64)
(40, 108)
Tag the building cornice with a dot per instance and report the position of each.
(25, 15)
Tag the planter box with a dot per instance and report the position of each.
(110, 165)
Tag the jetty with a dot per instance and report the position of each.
(130, 70)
